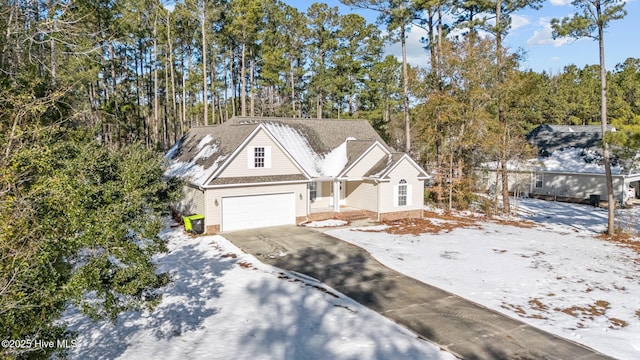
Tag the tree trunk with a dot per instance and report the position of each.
(605, 146)
(252, 102)
(405, 91)
(501, 120)
(173, 81)
(204, 64)
(243, 83)
(183, 117)
(293, 88)
(213, 88)
(231, 84)
(156, 117)
(319, 106)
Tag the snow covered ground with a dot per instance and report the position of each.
(224, 304)
(556, 276)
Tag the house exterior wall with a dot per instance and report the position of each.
(404, 170)
(366, 163)
(281, 164)
(362, 195)
(212, 215)
(520, 182)
(192, 201)
(578, 186)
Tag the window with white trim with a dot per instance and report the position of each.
(313, 191)
(402, 193)
(258, 157)
(539, 180)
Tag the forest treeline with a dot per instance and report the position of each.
(92, 91)
(144, 72)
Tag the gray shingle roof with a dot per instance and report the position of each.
(203, 149)
(549, 138)
(355, 149)
(384, 165)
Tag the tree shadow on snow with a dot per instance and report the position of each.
(299, 326)
(577, 216)
(183, 308)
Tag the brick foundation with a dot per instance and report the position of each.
(409, 214)
(344, 215)
(213, 229)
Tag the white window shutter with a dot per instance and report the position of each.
(395, 195)
(267, 157)
(250, 157)
(409, 194)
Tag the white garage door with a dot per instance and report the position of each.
(254, 211)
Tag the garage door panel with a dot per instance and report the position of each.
(254, 211)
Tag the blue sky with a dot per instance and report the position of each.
(531, 32)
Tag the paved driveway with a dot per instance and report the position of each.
(462, 327)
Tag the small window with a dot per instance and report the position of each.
(258, 157)
(402, 193)
(313, 191)
(538, 180)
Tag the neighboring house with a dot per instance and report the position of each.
(568, 167)
(253, 172)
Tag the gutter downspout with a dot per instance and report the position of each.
(378, 200)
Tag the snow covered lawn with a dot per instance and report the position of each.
(224, 304)
(556, 276)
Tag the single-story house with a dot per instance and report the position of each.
(568, 168)
(252, 172)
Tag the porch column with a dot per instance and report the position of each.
(336, 196)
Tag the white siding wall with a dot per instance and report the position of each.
(192, 201)
(212, 214)
(518, 181)
(280, 163)
(362, 195)
(366, 163)
(579, 186)
(406, 171)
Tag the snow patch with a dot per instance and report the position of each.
(326, 223)
(333, 163)
(576, 160)
(191, 170)
(314, 164)
(205, 140)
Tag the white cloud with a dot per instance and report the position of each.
(560, 2)
(544, 35)
(416, 54)
(518, 21)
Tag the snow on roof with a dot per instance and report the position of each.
(192, 169)
(333, 163)
(314, 164)
(576, 160)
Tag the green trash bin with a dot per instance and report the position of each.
(194, 223)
